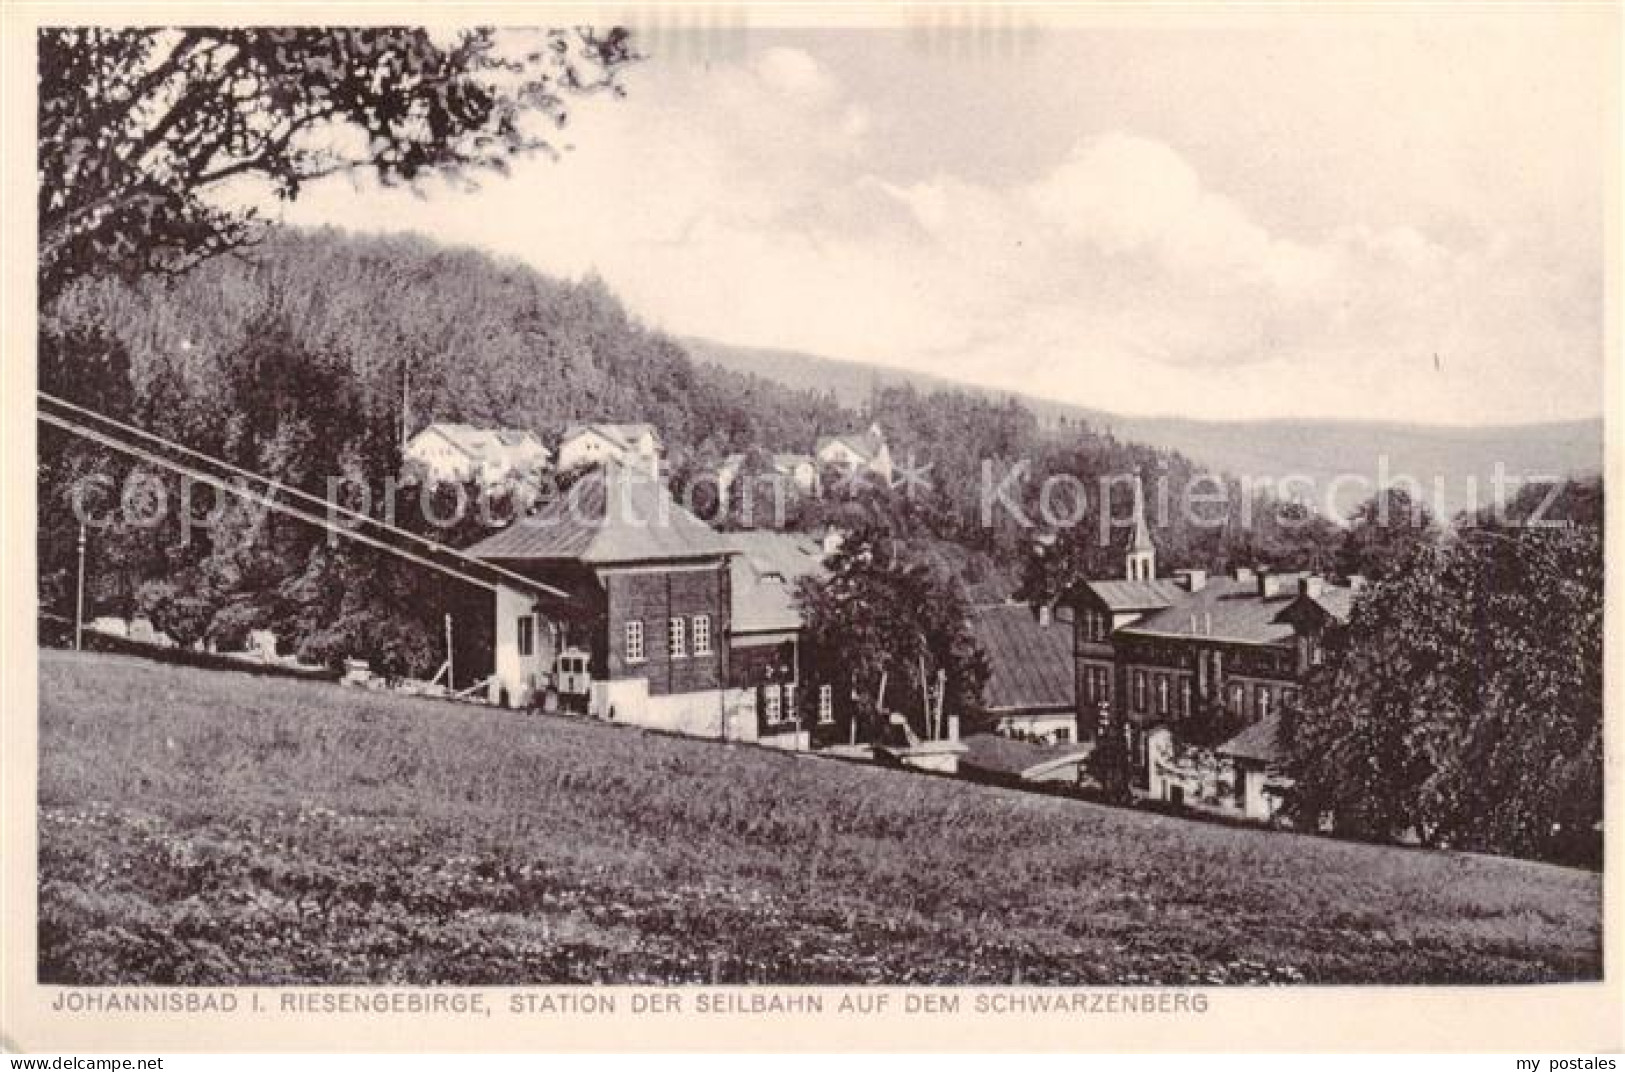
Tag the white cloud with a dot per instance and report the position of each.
(741, 202)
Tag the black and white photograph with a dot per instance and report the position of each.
(1012, 506)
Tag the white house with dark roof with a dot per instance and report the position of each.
(453, 452)
(634, 446)
(865, 452)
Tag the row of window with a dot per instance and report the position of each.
(778, 703)
(684, 637)
(1166, 695)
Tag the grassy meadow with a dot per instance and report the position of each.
(202, 827)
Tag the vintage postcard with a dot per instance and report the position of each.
(771, 527)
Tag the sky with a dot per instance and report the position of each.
(1397, 217)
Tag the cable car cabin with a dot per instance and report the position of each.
(574, 678)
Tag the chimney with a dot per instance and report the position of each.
(1357, 582)
(1046, 614)
(1243, 574)
(1193, 580)
(1310, 585)
(1269, 584)
(833, 538)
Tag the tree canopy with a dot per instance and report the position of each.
(1464, 701)
(883, 611)
(142, 129)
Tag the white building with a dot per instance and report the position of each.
(451, 452)
(795, 471)
(635, 446)
(864, 452)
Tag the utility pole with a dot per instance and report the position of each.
(79, 603)
(450, 681)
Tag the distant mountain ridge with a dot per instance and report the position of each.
(1342, 460)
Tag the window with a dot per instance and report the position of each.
(702, 634)
(1094, 626)
(634, 642)
(1185, 697)
(1261, 702)
(1102, 684)
(1162, 694)
(676, 638)
(772, 701)
(1238, 699)
(1139, 690)
(790, 699)
(826, 704)
(527, 635)
(1289, 696)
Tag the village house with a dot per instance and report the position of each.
(857, 452)
(1030, 691)
(652, 583)
(765, 664)
(680, 628)
(633, 446)
(1169, 658)
(798, 472)
(450, 452)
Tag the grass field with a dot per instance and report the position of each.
(209, 827)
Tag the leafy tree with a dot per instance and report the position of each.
(1464, 701)
(141, 128)
(1383, 532)
(883, 611)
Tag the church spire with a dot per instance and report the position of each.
(1140, 563)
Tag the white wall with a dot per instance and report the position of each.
(518, 676)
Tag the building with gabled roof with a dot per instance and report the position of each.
(450, 451)
(1029, 692)
(654, 583)
(861, 452)
(635, 445)
(1164, 658)
(766, 673)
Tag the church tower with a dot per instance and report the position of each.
(1140, 563)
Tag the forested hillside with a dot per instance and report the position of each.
(302, 358)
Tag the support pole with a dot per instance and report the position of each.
(79, 601)
(450, 681)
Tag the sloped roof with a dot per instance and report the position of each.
(1137, 595)
(764, 572)
(1335, 600)
(1259, 742)
(864, 444)
(1031, 664)
(1005, 755)
(624, 436)
(611, 515)
(1224, 609)
(480, 443)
